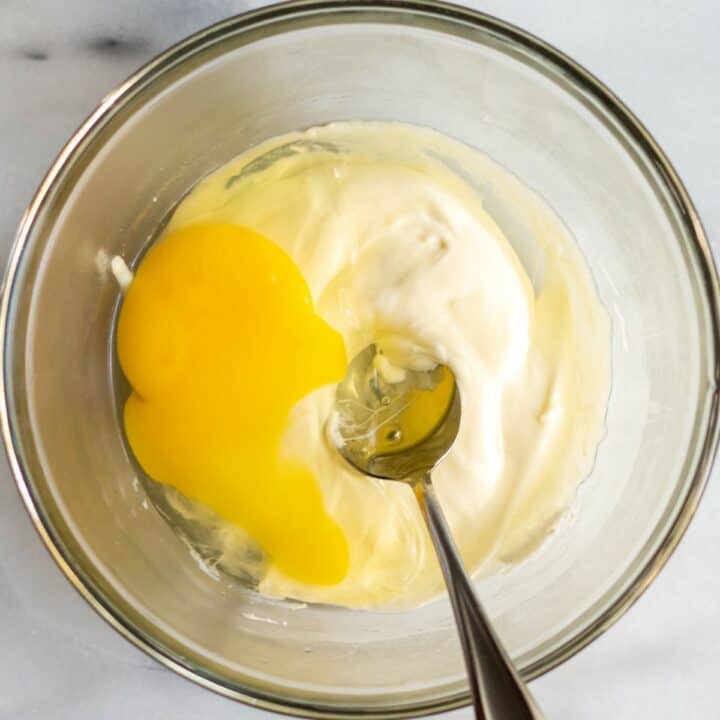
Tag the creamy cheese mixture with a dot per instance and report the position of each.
(399, 230)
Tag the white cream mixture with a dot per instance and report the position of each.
(398, 229)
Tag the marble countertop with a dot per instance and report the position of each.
(58, 659)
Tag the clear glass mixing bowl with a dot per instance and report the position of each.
(306, 63)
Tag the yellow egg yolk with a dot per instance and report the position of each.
(218, 338)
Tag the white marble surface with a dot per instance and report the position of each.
(58, 660)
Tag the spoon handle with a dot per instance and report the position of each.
(498, 692)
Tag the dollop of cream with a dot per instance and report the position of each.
(401, 231)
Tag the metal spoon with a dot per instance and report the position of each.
(397, 425)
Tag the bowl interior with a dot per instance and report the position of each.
(260, 76)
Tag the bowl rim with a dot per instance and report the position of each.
(436, 10)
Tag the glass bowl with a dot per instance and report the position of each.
(290, 66)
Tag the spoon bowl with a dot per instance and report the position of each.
(373, 404)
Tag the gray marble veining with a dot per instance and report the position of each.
(58, 660)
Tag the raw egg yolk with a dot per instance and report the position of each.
(218, 338)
